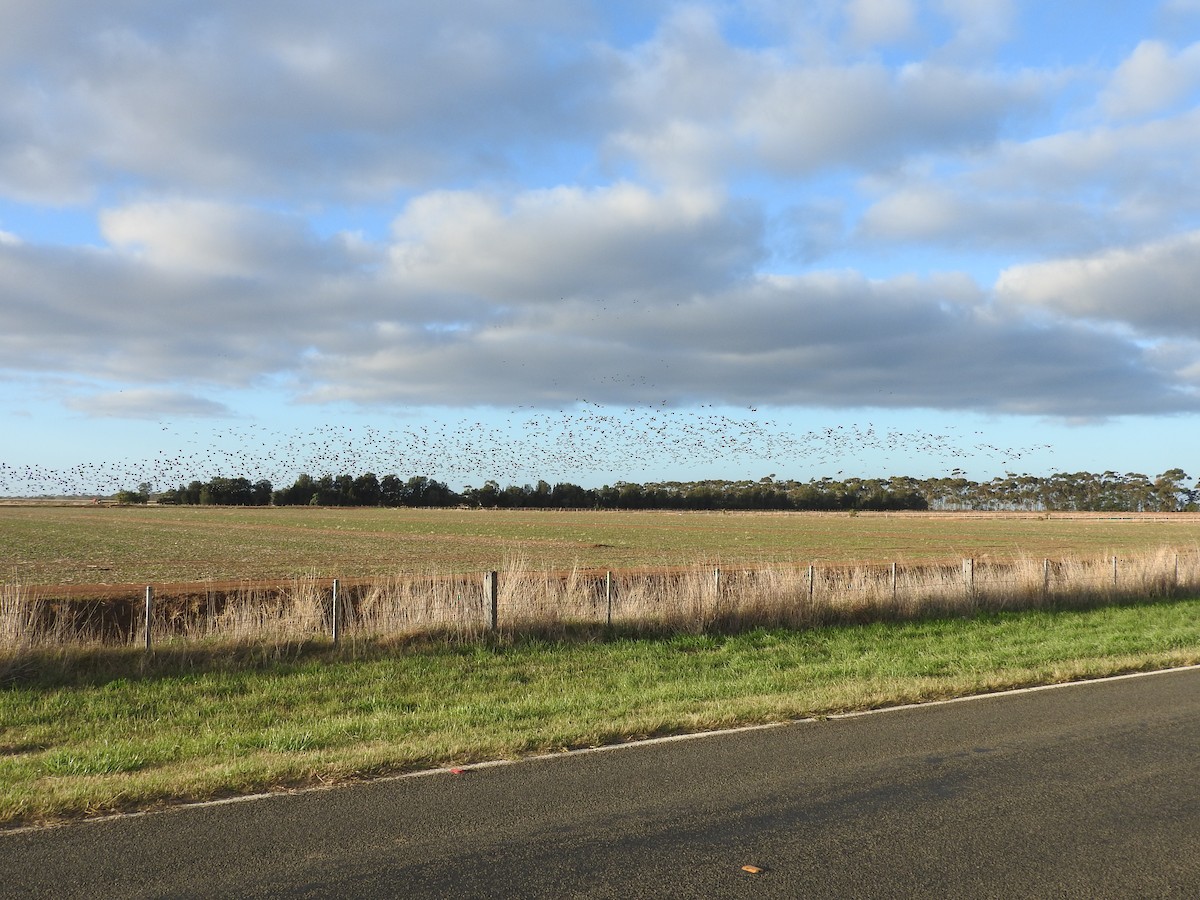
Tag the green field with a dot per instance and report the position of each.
(44, 544)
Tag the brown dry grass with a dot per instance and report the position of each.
(533, 600)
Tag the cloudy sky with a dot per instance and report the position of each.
(595, 241)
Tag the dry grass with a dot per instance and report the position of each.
(697, 599)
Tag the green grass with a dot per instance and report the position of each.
(41, 544)
(89, 731)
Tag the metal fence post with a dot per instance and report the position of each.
(149, 614)
(337, 612)
(491, 590)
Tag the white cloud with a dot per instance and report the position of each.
(578, 212)
(1151, 80)
(821, 340)
(286, 99)
(807, 119)
(951, 214)
(147, 403)
(544, 245)
(691, 107)
(874, 22)
(980, 25)
(1151, 287)
(1182, 6)
(218, 240)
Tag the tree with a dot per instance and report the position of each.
(367, 490)
(1170, 495)
(391, 491)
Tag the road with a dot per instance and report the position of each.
(1082, 791)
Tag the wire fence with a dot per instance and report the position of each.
(691, 599)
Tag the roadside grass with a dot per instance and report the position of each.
(85, 731)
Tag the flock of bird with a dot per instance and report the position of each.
(577, 445)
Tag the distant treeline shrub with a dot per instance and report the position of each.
(1079, 491)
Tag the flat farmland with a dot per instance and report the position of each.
(81, 545)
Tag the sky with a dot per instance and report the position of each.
(596, 241)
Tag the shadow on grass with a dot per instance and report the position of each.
(66, 666)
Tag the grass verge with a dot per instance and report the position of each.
(85, 732)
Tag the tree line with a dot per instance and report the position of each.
(1079, 491)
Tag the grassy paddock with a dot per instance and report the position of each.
(91, 730)
(58, 545)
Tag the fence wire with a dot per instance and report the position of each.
(690, 599)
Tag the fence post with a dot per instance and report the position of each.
(149, 614)
(491, 590)
(1045, 577)
(337, 612)
(608, 597)
(893, 583)
(968, 566)
(1175, 578)
(1114, 571)
(811, 582)
(716, 593)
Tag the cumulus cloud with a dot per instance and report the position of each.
(690, 105)
(559, 210)
(147, 403)
(216, 239)
(617, 295)
(806, 119)
(880, 21)
(1152, 79)
(821, 340)
(1151, 287)
(980, 25)
(545, 245)
(296, 99)
(954, 215)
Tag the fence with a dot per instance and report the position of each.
(520, 600)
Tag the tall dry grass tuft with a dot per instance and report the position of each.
(415, 604)
(20, 614)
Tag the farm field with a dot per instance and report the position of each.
(77, 545)
(91, 729)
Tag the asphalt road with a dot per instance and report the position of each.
(1085, 791)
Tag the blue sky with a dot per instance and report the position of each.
(596, 241)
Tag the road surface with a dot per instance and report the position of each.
(1082, 791)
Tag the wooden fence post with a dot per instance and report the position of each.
(1045, 577)
(811, 582)
(608, 598)
(968, 566)
(1114, 571)
(893, 583)
(337, 612)
(149, 614)
(491, 590)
